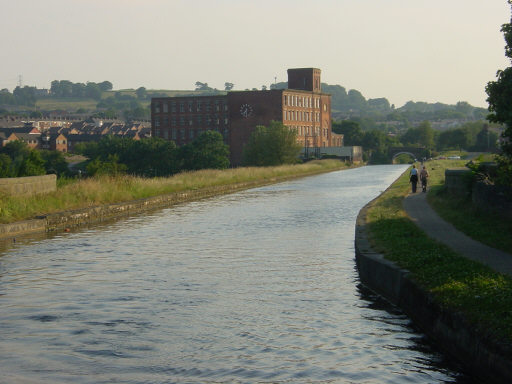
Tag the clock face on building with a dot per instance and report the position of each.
(246, 110)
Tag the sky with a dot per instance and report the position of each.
(421, 50)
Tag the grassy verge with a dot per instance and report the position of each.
(462, 285)
(487, 228)
(106, 190)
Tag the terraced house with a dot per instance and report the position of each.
(301, 107)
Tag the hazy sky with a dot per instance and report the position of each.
(420, 50)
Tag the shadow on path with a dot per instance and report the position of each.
(430, 222)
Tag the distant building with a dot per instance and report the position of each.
(302, 107)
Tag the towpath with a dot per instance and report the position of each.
(420, 212)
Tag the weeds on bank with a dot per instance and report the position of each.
(74, 194)
(483, 296)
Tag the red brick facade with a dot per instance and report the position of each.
(302, 108)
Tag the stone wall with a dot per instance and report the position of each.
(29, 185)
(492, 198)
(458, 181)
(481, 353)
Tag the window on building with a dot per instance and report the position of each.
(285, 100)
(182, 133)
(190, 106)
(173, 133)
(199, 120)
(165, 108)
(157, 107)
(173, 106)
(173, 121)
(166, 121)
(199, 105)
(182, 107)
(207, 106)
(157, 121)
(182, 120)
(191, 133)
(226, 120)
(157, 132)
(166, 134)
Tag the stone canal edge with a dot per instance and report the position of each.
(483, 356)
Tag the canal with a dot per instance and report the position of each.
(257, 286)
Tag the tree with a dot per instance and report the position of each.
(5, 165)
(351, 131)
(105, 86)
(272, 145)
(208, 151)
(202, 86)
(500, 94)
(24, 161)
(141, 93)
(227, 86)
(54, 162)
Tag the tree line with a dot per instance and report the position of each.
(472, 136)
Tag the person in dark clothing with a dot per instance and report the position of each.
(413, 179)
(423, 177)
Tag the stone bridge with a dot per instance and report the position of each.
(414, 152)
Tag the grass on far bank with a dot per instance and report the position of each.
(484, 296)
(106, 190)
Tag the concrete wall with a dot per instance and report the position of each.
(482, 354)
(30, 185)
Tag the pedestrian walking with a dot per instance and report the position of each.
(423, 177)
(413, 178)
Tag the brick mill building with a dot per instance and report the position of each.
(302, 107)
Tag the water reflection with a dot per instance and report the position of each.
(258, 286)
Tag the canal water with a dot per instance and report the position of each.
(254, 287)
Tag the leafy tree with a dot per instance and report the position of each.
(500, 94)
(272, 145)
(25, 95)
(105, 86)
(111, 166)
(141, 93)
(356, 100)
(5, 166)
(208, 151)
(351, 131)
(24, 161)
(93, 91)
(202, 86)
(54, 162)
(227, 86)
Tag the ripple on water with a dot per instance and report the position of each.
(258, 286)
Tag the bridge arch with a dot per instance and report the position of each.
(404, 153)
(414, 152)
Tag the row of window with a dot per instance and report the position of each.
(304, 130)
(301, 116)
(190, 106)
(198, 120)
(301, 101)
(184, 134)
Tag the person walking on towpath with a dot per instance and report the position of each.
(423, 177)
(414, 178)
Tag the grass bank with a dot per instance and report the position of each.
(483, 296)
(107, 190)
(488, 228)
